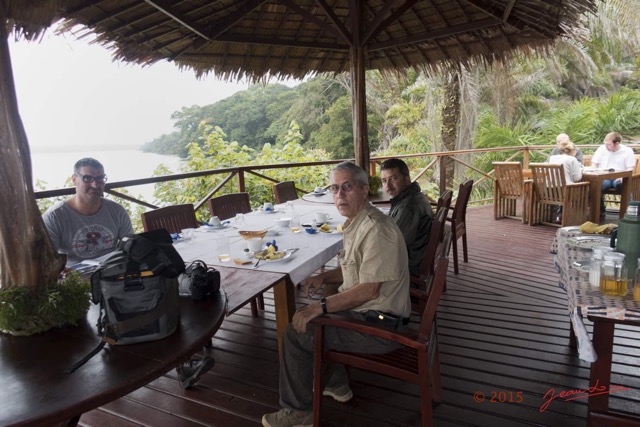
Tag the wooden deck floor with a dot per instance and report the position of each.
(503, 330)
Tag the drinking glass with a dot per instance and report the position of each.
(240, 221)
(289, 207)
(222, 246)
(294, 224)
(187, 235)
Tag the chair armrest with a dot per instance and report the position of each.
(403, 337)
(578, 184)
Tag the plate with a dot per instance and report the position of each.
(319, 194)
(287, 255)
(583, 265)
(210, 228)
(269, 212)
(588, 242)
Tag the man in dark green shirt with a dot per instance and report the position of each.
(409, 208)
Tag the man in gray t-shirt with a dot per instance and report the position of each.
(87, 226)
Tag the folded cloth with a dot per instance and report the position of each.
(593, 228)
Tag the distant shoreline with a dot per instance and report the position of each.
(81, 148)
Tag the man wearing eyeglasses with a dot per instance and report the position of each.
(87, 226)
(409, 208)
(374, 286)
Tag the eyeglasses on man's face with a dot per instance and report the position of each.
(347, 187)
(88, 179)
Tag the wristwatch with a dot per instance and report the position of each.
(323, 303)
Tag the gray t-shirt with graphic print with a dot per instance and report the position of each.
(83, 237)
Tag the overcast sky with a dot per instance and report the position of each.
(72, 93)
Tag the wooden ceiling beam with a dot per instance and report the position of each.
(506, 16)
(182, 21)
(346, 35)
(341, 34)
(223, 25)
(432, 35)
(380, 23)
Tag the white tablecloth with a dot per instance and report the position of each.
(313, 250)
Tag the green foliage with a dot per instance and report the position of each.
(65, 303)
(214, 152)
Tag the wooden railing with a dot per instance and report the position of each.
(483, 185)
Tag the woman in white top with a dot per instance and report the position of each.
(572, 168)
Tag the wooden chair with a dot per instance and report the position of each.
(550, 191)
(458, 222)
(444, 201)
(285, 191)
(428, 260)
(508, 188)
(225, 207)
(172, 218)
(228, 205)
(616, 195)
(416, 361)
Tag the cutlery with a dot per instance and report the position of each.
(256, 264)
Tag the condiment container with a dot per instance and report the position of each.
(636, 283)
(613, 275)
(628, 237)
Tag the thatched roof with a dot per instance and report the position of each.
(257, 38)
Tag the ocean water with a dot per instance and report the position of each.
(53, 168)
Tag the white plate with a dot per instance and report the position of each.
(210, 228)
(287, 255)
(588, 242)
(269, 212)
(319, 194)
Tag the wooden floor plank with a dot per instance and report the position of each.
(503, 326)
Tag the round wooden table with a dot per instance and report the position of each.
(36, 390)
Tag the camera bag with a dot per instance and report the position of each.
(137, 289)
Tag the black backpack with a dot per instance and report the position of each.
(137, 289)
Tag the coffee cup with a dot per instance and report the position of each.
(321, 217)
(318, 190)
(215, 221)
(254, 245)
(267, 206)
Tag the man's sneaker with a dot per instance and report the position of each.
(342, 393)
(287, 418)
(189, 372)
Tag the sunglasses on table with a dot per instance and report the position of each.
(88, 179)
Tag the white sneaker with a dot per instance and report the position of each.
(342, 394)
(287, 418)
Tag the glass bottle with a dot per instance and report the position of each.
(597, 257)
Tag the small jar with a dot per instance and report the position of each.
(613, 275)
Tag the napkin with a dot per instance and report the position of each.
(593, 228)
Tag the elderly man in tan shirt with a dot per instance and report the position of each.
(374, 275)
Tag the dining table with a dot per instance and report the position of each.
(225, 249)
(38, 389)
(595, 177)
(572, 258)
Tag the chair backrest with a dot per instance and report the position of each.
(435, 237)
(636, 170)
(459, 213)
(548, 182)
(509, 179)
(228, 205)
(172, 218)
(435, 293)
(445, 201)
(285, 191)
